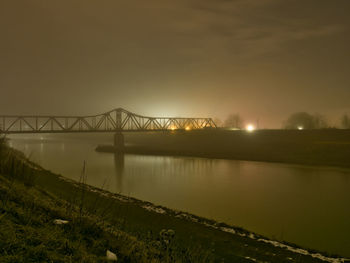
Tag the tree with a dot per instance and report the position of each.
(234, 121)
(304, 120)
(320, 121)
(345, 121)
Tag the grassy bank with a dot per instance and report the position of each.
(98, 221)
(28, 232)
(330, 147)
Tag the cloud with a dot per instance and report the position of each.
(248, 27)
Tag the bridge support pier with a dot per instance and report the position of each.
(119, 142)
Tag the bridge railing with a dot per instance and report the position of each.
(115, 120)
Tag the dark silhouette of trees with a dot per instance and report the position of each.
(320, 121)
(234, 121)
(304, 120)
(345, 121)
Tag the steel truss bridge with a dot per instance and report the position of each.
(118, 120)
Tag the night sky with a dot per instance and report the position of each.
(264, 59)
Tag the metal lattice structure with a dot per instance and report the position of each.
(112, 121)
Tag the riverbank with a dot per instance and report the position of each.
(329, 147)
(131, 228)
(195, 239)
(36, 226)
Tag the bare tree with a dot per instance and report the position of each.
(320, 121)
(345, 121)
(234, 121)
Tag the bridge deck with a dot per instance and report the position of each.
(112, 121)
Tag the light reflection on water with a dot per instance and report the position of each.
(304, 205)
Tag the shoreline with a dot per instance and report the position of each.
(226, 243)
(135, 150)
(209, 223)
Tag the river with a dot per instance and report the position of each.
(309, 206)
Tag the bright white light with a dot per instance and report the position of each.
(250, 127)
(300, 128)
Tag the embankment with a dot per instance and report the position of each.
(329, 147)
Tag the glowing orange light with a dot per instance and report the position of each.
(187, 128)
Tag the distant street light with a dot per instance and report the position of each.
(250, 128)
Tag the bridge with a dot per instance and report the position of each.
(117, 121)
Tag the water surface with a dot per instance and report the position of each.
(305, 205)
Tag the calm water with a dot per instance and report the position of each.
(304, 205)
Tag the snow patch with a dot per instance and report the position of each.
(187, 216)
(60, 222)
(252, 259)
(228, 230)
(111, 256)
(303, 251)
(154, 209)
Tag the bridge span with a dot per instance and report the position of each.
(117, 120)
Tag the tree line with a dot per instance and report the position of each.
(306, 120)
(298, 120)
